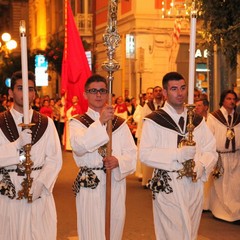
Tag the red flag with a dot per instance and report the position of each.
(176, 29)
(158, 4)
(75, 68)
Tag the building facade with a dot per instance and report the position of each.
(154, 40)
(11, 12)
(148, 43)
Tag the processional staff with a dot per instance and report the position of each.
(188, 166)
(111, 39)
(27, 181)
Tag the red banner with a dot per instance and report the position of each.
(176, 30)
(75, 68)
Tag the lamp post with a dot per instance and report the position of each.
(7, 44)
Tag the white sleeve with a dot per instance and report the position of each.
(9, 152)
(85, 139)
(155, 155)
(126, 153)
(52, 159)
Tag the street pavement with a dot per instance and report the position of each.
(139, 219)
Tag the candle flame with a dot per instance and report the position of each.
(22, 27)
(193, 10)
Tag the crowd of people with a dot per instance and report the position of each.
(150, 139)
(50, 107)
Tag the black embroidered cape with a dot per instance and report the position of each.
(219, 116)
(9, 127)
(236, 120)
(151, 105)
(164, 119)
(87, 121)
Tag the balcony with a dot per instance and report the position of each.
(84, 24)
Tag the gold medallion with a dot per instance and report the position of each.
(230, 134)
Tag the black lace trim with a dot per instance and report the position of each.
(160, 182)
(6, 186)
(86, 178)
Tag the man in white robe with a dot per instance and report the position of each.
(177, 202)
(20, 219)
(225, 191)
(88, 136)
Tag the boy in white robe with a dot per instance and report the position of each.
(20, 219)
(88, 136)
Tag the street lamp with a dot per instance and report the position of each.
(7, 44)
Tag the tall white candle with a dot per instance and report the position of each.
(191, 79)
(24, 62)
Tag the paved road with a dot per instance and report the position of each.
(139, 223)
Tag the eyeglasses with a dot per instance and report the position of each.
(95, 91)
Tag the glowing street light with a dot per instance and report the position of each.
(7, 44)
(6, 37)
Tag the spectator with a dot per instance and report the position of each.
(121, 108)
(46, 109)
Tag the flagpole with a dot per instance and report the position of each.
(64, 72)
(111, 40)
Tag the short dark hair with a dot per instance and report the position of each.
(149, 88)
(224, 94)
(18, 75)
(197, 90)
(156, 87)
(95, 78)
(204, 100)
(171, 76)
